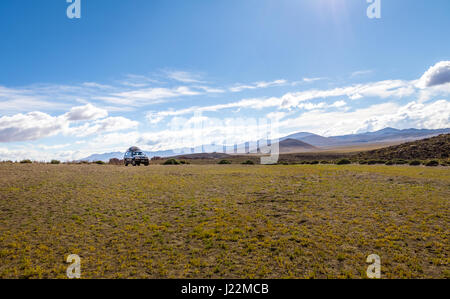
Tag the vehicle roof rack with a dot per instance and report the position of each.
(134, 149)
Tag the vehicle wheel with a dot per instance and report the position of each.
(139, 164)
(146, 164)
(133, 163)
(126, 164)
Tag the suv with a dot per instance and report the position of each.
(135, 157)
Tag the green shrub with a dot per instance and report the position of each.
(314, 162)
(171, 162)
(55, 162)
(184, 162)
(415, 163)
(374, 162)
(390, 163)
(26, 161)
(400, 162)
(344, 162)
(99, 162)
(223, 162)
(362, 162)
(324, 162)
(432, 163)
(248, 162)
(283, 163)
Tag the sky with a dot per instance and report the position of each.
(164, 74)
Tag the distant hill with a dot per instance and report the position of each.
(306, 142)
(388, 135)
(381, 136)
(437, 147)
(103, 157)
(310, 138)
(203, 156)
(295, 146)
(119, 155)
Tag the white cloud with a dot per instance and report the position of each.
(433, 115)
(109, 124)
(256, 85)
(97, 85)
(184, 77)
(26, 100)
(87, 112)
(30, 126)
(38, 125)
(339, 104)
(147, 96)
(310, 80)
(381, 89)
(436, 75)
(210, 89)
(18, 154)
(361, 73)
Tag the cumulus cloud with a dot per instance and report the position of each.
(436, 75)
(30, 126)
(87, 112)
(109, 124)
(38, 125)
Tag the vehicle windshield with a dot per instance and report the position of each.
(138, 154)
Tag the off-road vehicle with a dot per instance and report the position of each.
(135, 156)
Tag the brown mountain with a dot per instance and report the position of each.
(295, 146)
(431, 148)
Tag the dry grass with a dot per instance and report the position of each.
(223, 221)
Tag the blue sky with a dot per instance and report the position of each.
(140, 72)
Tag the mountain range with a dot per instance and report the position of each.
(309, 142)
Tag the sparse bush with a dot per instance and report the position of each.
(222, 162)
(100, 162)
(324, 162)
(115, 161)
(415, 163)
(55, 162)
(400, 162)
(374, 162)
(184, 162)
(248, 162)
(432, 163)
(283, 163)
(363, 162)
(344, 162)
(171, 162)
(314, 162)
(26, 161)
(390, 163)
